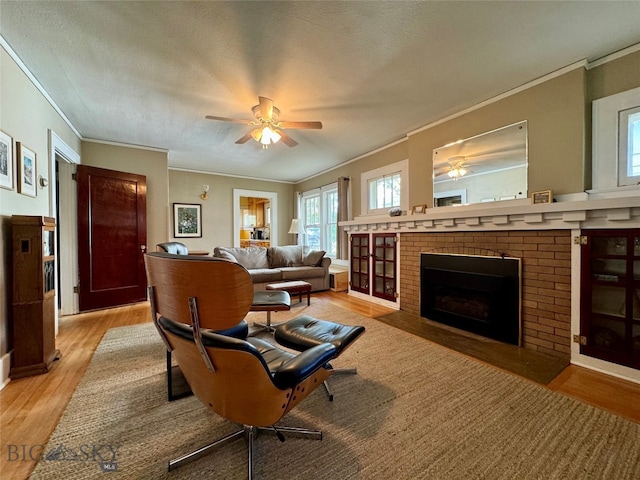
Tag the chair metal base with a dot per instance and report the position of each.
(177, 386)
(338, 371)
(269, 327)
(250, 433)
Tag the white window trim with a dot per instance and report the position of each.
(402, 168)
(624, 145)
(320, 193)
(606, 171)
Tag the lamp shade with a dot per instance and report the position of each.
(296, 227)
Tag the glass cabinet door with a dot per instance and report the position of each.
(610, 317)
(360, 262)
(384, 266)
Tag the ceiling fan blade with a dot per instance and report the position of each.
(225, 119)
(266, 108)
(245, 139)
(301, 125)
(287, 139)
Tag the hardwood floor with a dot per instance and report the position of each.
(31, 407)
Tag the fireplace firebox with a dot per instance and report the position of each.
(474, 293)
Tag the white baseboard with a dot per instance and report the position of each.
(372, 299)
(5, 368)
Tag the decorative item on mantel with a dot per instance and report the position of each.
(395, 212)
(543, 196)
(418, 209)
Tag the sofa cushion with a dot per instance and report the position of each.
(285, 256)
(313, 258)
(300, 273)
(264, 275)
(248, 257)
(222, 254)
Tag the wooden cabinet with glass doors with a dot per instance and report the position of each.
(373, 264)
(610, 293)
(359, 261)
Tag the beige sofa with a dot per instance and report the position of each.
(279, 264)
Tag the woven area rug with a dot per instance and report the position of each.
(415, 410)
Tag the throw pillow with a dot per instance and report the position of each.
(226, 255)
(314, 258)
(249, 257)
(285, 256)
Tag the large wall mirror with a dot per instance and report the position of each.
(486, 168)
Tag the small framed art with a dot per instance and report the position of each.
(543, 196)
(187, 220)
(6, 161)
(26, 170)
(417, 209)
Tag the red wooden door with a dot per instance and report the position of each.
(112, 237)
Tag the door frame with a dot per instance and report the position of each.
(237, 213)
(69, 158)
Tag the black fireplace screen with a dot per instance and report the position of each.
(476, 294)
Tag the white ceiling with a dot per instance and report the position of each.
(146, 73)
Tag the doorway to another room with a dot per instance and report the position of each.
(255, 218)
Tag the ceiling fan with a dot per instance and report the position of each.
(455, 169)
(268, 125)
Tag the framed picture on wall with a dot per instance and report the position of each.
(6, 161)
(187, 220)
(26, 170)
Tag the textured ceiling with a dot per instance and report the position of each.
(147, 73)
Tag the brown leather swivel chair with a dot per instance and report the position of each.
(248, 381)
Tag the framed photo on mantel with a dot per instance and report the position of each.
(543, 196)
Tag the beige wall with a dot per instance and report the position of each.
(555, 112)
(217, 210)
(26, 116)
(151, 164)
(353, 170)
(614, 77)
(607, 79)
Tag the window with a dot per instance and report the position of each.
(319, 216)
(616, 141)
(384, 192)
(382, 188)
(629, 146)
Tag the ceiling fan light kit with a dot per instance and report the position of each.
(269, 127)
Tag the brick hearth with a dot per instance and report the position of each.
(546, 277)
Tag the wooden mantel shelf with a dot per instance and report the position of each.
(617, 212)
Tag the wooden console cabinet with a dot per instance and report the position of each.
(34, 269)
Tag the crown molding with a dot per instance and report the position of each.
(36, 83)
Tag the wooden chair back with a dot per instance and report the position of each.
(223, 289)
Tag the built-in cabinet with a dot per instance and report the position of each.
(610, 296)
(373, 261)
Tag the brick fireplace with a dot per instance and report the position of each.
(546, 277)
(545, 237)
